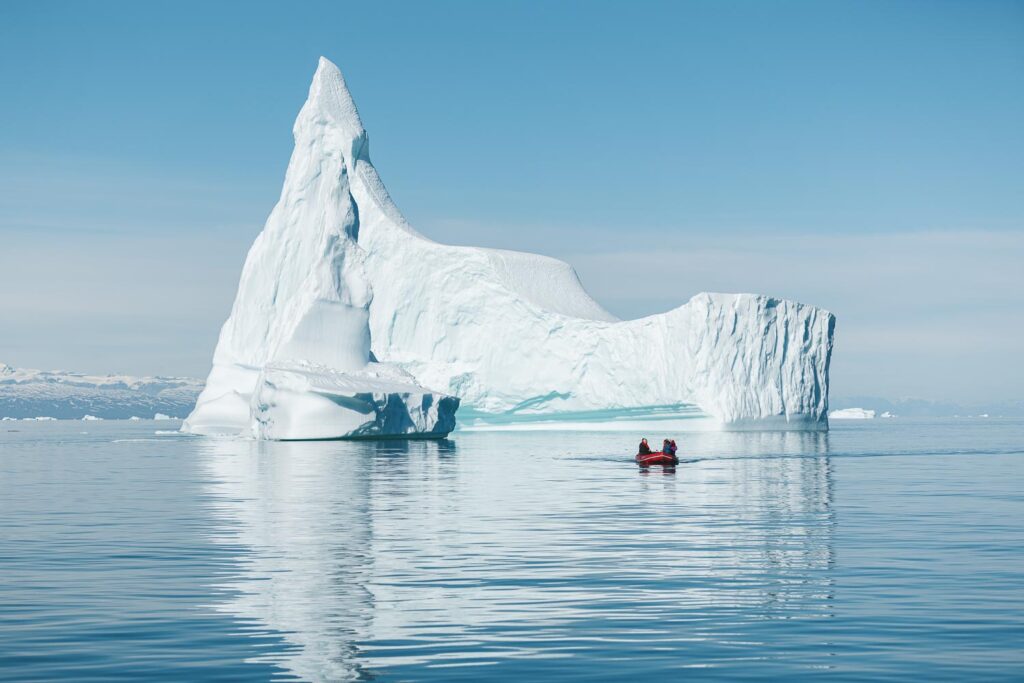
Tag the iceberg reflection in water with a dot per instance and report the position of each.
(886, 549)
(493, 554)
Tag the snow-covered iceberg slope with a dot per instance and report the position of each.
(339, 278)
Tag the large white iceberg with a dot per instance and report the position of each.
(340, 298)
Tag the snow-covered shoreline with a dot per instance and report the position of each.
(57, 394)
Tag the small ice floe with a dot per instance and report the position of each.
(852, 414)
(90, 418)
(42, 419)
(134, 418)
(161, 416)
(888, 414)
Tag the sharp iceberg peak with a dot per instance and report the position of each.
(330, 105)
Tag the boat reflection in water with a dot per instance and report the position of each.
(381, 557)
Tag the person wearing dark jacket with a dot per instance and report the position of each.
(644, 448)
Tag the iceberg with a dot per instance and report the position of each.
(345, 314)
(294, 359)
(854, 414)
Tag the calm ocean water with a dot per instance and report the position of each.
(886, 549)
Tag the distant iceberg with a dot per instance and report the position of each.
(853, 414)
(349, 323)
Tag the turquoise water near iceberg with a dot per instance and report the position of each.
(884, 549)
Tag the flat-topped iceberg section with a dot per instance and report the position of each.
(339, 296)
(300, 402)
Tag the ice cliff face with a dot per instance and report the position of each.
(338, 282)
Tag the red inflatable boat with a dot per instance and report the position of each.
(658, 458)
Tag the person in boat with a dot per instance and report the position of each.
(665, 447)
(644, 448)
(671, 450)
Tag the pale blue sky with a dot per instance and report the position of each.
(863, 156)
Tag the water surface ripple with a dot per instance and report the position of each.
(887, 549)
